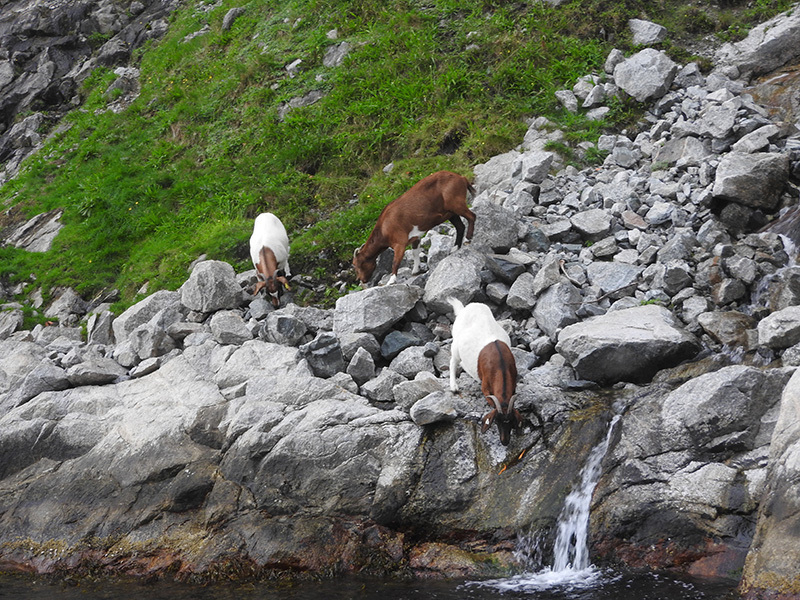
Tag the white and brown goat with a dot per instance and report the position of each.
(269, 250)
(435, 199)
(483, 348)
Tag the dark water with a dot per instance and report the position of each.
(605, 585)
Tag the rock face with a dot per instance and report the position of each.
(702, 445)
(772, 561)
(46, 53)
(203, 433)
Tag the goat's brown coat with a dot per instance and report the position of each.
(435, 199)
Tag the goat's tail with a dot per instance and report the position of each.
(456, 304)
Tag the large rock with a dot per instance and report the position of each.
(457, 276)
(141, 312)
(646, 32)
(374, 310)
(756, 180)
(774, 554)
(683, 481)
(557, 308)
(10, 321)
(212, 286)
(781, 329)
(767, 47)
(497, 229)
(646, 75)
(626, 345)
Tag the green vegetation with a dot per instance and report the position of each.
(434, 85)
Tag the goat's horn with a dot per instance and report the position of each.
(496, 403)
(511, 404)
(357, 250)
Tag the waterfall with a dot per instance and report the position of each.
(571, 550)
(571, 564)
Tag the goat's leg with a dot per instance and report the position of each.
(470, 217)
(455, 363)
(415, 247)
(399, 251)
(459, 225)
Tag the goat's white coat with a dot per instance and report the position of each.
(473, 329)
(269, 231)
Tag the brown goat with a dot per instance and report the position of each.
(435, 199)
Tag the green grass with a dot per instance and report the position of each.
(182, 172)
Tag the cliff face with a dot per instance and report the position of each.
(48, 48)
(204, 433)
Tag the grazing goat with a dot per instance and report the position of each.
(439, 197)
(482, 347)
(269, 250)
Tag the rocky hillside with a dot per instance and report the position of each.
(203, 433)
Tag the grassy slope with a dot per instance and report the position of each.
(430, 85)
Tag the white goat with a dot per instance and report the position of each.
(269, 250)
(483, 348)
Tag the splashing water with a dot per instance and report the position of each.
(571, 550)
(571, 564)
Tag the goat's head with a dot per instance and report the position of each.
(507, 418)
(364, 266)
(274, 284)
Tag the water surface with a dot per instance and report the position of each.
(600, 586)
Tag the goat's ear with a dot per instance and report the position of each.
(259, 285)
(281, 279)
(487, 420)
(519, 419)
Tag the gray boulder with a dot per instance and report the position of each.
(407, 393)
(228, 327)
(95, 371)
(374, 310)
(496, 170)
(436, 407)
(324, 355)
(68, 308)
(534, 166)
(755, 180)
(457, 276)
(412, 361)
(99, 328)
(689, 460)
(557, 308)
(497, 229)
(626, 345)
(646, 75)
(768, 46)
(592, 224)
(361, 366)
(521, 295)
(381, 389)
(780, 329)
(282, 328)
(615, 279)
(211, 286)
(10, 321)
(646, 32)
(141, 312)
